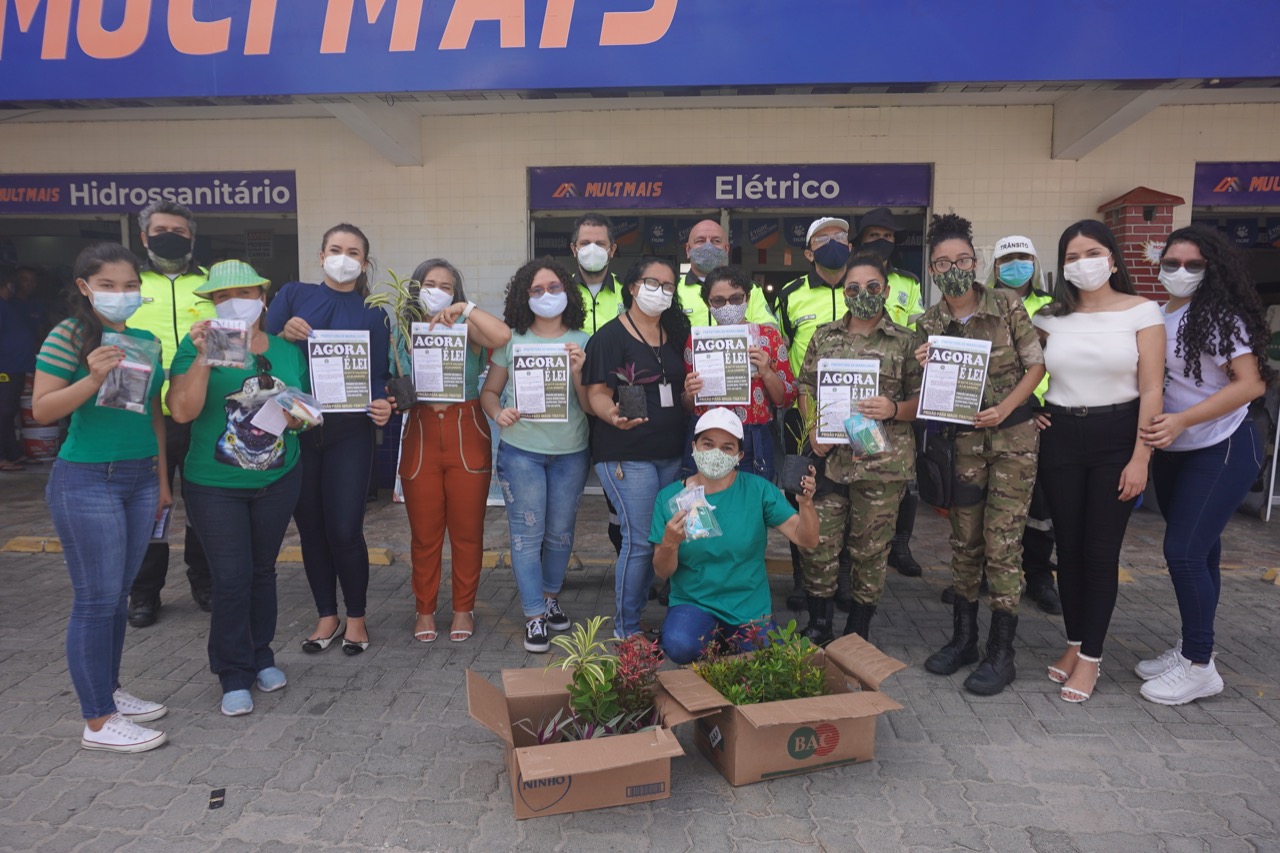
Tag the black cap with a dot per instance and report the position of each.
(881, 217)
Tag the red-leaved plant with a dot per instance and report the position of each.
(628, 375)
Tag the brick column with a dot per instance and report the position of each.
(1141, 219)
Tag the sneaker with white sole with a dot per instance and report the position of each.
(1185, 682)
(237, 703)
(1158, 666)
(119, 734)
(138, 710)
(556, 620)
(535, 635)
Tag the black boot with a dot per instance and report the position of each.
(948, 595)
(844, 581)
(963, 648)
(996, 672)
(860, 620)
(795, 598)
(900, 551)
(821, 612)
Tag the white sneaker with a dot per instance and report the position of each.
(122, 735)
(1158, 666)
(1183, 683)
(138, 710)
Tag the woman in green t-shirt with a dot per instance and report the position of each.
(240, 478)
(108, 483)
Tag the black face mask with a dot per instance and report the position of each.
(169, 245)
(882, 247)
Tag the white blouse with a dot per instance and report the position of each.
(1181, 391)
(1092, 357)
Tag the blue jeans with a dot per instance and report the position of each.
(1198, 490)
(633, 497)
(688, 630)
(104, 514)
(757, 450)
(541, 492)
(241, 530)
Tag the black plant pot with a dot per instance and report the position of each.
(632, 402)
(401, 388)
(794, 466)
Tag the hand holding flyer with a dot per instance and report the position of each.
(340, 369)
(540, 377)
(842, 382)
(955, 376)
(439, 355)
(720, 358)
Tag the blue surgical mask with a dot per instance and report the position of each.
(1015, 273)
(831, 255)
(116, 307)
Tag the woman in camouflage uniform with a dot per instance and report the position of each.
(995, 458)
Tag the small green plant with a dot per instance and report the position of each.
(782, 666)
(399, 297)
(807, 406)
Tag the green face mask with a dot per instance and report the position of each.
(955, 281)
(864, 305)
(714, 464)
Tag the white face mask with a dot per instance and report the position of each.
(1088, 273)
(593, 258)
(248, 310)
(549, 305)
(342, 269)
(1181, 282)
(653, 302)
(435, 300)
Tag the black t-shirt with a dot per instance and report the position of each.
(663, 436)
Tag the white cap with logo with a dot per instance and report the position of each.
(819, 224)
(720, 418)
(1014, 245)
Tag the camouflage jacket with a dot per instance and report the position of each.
(894, 346)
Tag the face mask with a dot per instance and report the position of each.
(1182, 282)
(1088, 273)
(882, 247)
(549, 305)
(729, 315)
(435, 300)
(863, 305)
(1015, 273)
(593, 258)
(708, 256)
(653, 302)
(342, 269)
(831, 256)
(714, 464)
(248, 310)
(954, 282)
(116, 307)
(169, 246)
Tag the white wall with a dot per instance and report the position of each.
(468, 203)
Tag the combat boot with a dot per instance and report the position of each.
(963, 648)
(996, 672)
(860, 620)
(821, 613)
(844, 582)
(900, 551)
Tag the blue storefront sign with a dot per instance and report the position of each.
(61, 49)
(203, 192)
(1237, 185)
(826, 186)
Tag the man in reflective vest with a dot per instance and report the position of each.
(593, 248)
(706, 249)
(169, 308)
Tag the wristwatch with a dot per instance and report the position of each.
(466, 312)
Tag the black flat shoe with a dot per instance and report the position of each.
(314, 646)
(352, 648)
(142, 614)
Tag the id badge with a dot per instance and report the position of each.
(664, 395)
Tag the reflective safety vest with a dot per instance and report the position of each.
(690, 292)
(804, 305)
(601, 307)
(1033, 302)
(169, 309)
(903, 301)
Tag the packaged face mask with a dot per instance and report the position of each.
(867, 436)
(126, 386)
(226, 343)
(700, 520)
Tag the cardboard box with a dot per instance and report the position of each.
(751, 743)
(569, 776)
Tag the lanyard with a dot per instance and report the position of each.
(657, 351)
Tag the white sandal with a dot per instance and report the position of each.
(1075, 696)
(1060, 676)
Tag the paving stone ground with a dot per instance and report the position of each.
(377, 752)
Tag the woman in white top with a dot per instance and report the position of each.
(1208, 452)
(1104, 347)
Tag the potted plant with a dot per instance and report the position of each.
(796, 465)
(399, 298)
(787, 666)
(631, 397)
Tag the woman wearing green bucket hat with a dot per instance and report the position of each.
(241, 478)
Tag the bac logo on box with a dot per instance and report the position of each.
(806, 742)
(541, 794)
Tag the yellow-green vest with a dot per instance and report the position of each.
(1033, 302)
(169, 309)
(903, 302)
(602, 307)
(690, 292)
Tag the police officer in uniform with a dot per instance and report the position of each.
(169, 308)
(593, 248)
(707, 249)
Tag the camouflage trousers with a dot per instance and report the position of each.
(990, 532)
(864, 519)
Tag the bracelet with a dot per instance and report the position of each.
(894, 416)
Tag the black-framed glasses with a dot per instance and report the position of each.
(656, 284)
(875, 288)
(721, 301)
(1173, 265)
(963, 264)
(263, 366)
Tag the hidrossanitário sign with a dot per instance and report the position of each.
(203, 192)
(71, 49)
(825, 186)
(1237, 185)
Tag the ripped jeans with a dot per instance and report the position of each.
(541, 492)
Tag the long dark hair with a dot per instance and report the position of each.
(362, 283)
(1227, 293)
(1066, 296)
(90, 261)
(516, 312)
(673, 321)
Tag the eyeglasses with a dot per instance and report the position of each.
(875, 288)
(964, 264)
(552, 289)
(1173, 265)
(655, 284)
(721, 301)
(823, 239)
(265, 379)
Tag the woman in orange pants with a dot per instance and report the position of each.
(445, 461)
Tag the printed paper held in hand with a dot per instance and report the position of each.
(955, 376)
(440, 362)
(842, 383)
(341, 378)
(541, 381)
(721, 359)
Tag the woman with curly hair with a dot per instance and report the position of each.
(541, 465)
(1208, 451)
(1104, 347)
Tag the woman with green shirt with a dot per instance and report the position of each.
(240, 480)
(105, 490)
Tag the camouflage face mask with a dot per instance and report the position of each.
(954, 282)
(864, 305)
